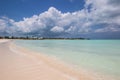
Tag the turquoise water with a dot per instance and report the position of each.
(99, 55)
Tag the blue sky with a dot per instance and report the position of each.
(17, 9)
(61, 18)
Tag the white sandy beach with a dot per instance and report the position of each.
(3, 40)
(20, 64)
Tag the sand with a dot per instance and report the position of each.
(3, 40)
(20, 64)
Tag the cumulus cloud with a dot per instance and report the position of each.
(6, 25)
(57, 29)
(55, 23)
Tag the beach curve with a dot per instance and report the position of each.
(20, 64)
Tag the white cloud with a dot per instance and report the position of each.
(57, 29)
(2, 25)
(82, 21)
(6, 24)
(102, 12)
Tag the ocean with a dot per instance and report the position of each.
(102, 56)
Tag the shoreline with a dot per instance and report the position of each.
(56, 70)
(55, 63)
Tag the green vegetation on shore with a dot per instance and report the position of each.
(41, 38)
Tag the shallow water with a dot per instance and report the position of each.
(99, 55)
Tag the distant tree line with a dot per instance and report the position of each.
(41, 38)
